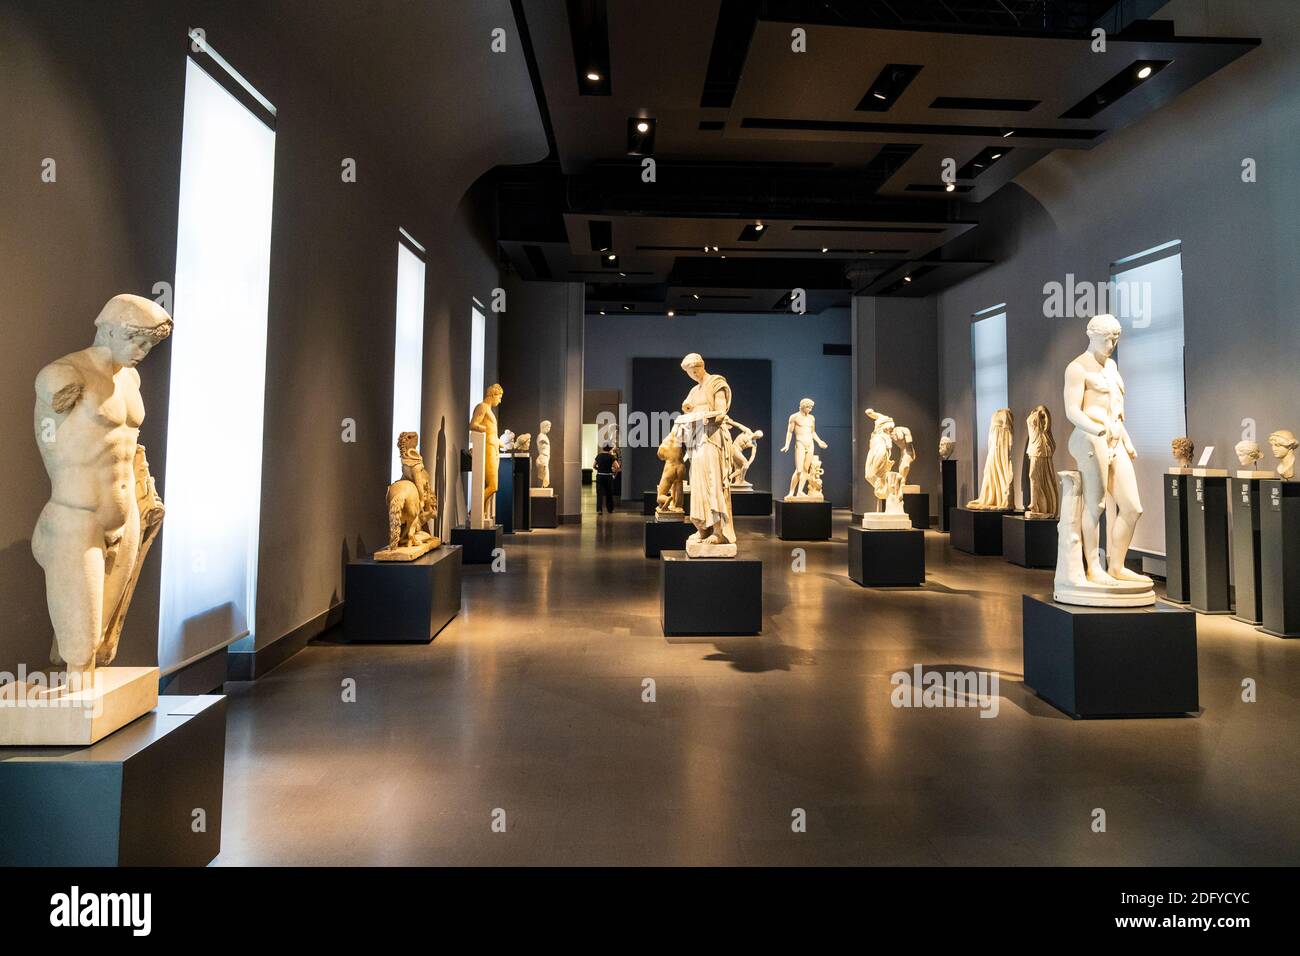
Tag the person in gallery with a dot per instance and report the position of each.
(604, 469)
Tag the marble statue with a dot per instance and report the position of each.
(1283, 445)
(1103, 453)
(669, 493)
(815, 472)
(885, 482)
(544, 454)
(1249, 454)
(706, 434)
(1183, 450)
(522, 442)
(906, 455)
(1043, 500)
(746, 441)
(802, 427)
(996, 486)
(412, 506)
(103, 514)
(484, 421)
(946, 447)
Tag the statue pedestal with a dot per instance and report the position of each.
(803, 520)
(544, 511)
(917, 506)
(1176, 581)
(128, 800)
(710, 596)
(1279, 533)
(1107, 662)
(750, 504)
(978, 532)
(887, 558)
(514, 476)
(405, 603)
(650, 501)
(670, 534)
(1244, 499)
(1029, 542)
(32, 716)
(1207, 545)
(948, 468)
(478, 464)
(477, 544)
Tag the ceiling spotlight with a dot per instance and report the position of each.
(907, 278)
(611, 257)
(627, 308)
(593, 76)
(994, 156)
(951, 187)
(1144, 72)
(758, 227)
(695, 295)
(602, 311)
(1009, 132)
(880, 96)
(715, 248)
(671, 313)
(643, 127)
(622, 275)
(825, 249)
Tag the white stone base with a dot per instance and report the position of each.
(695, 548)
(670, 516)
(1210, 472)
(409, 553)
(541, 492)
(34, 716)
(882, 521)
(1100, 595)
(911, 489)
(741, 487)
(1178, 471)
(1262, 475)
(812, 497)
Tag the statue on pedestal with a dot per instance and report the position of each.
(802, 427)
(885, 482)
(1283, 445)
(706, 435)
(484, 420)
(668, 495)
(996, 485)
(747, 440)
(1043, 499)
(412, 506)
(544, 454)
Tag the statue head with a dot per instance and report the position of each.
(544, 428)
(1282, 442)
(883, 423)
(946, 447)
(1183, 449)
(1248, 453)
(130, 326)
(1103, 334)
(693, 365)
(407, 441)
(806, 405)
(492, 397)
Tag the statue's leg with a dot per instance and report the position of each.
(1090, 453)
(1128, 509)
(121, 571)
(69, 545)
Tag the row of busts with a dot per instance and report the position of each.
(1282, 443)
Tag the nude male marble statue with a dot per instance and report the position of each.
(484, 420)
(802, 427)
(668, 494)
(543, 462)
(746, 441)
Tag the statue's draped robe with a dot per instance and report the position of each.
(708, 449)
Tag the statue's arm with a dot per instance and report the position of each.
(1074, 389)
(789, 431)
(478, 421)
(60, 385)
(818, 438)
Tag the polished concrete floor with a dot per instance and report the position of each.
(529, 709)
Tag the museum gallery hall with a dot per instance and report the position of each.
(609, 433)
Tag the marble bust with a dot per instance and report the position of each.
(412, 506)
(543, 461)
(103, 514)
(802, 427)
(1283, 445)
(484, 421)
(706, 436)
(1183, 449)
(996, 486)
(946, 447)
(1249, 454)
(1103, 452)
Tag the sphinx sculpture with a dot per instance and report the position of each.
(1249, 455)
(1043, 499)
(483, 421)
(802, 427)
(885, 482)
(705, 432)
(996, 485)
(1103, 453)
(543, 461)
(1183, 449)
(412, 506)
(1283, 445)
(668, 495)
(104, 512)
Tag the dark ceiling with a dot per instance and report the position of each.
(838, 151)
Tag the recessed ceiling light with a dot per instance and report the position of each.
(907, 278)
(611, 257)
(825, 249)
(695, 295)
(671, 313)
(758, 227)
(715, 248)
(627, 308)
(643, 127)
(594, 76)
(951, 187)
(1144, 72)
(994, 156)
(623, 275)
(1009, 132)
(602, 311)
(880, 96)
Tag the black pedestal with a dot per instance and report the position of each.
(128, 800)
(887, 558)
(751, 504)
(977, 532)
(1279, 545)
(477, 544)
(1244, 499)
(710, 596)
(649, 501)
(948, 470)
(1177, 586)
(514, 477)
(802, 520)
(523, 503)
(666, 536)
(1111, 662)
(1029, 542)
(543, 512)
(917, 506)
(401, 602)
(1207, 546)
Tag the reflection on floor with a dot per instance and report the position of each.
(529, 709)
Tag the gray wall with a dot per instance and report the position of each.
(799, 369)
(100, 88)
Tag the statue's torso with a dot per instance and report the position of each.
(1103, 390)
(804, 427)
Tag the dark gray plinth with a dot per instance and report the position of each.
(751, 504)
(917, 506)
(649, 501)
(1177, 584)
(802, 520)
(1207, 546)
(1029, 542)
(543, 512)
(1279, 546)
(1244, 498)
(128, 800)
(402, 602)
(892, 558)
(948, 471)
(709, 596)
(977, 532)
(663, 536)
(477, 544)
(1111, 662)
(514, 478)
